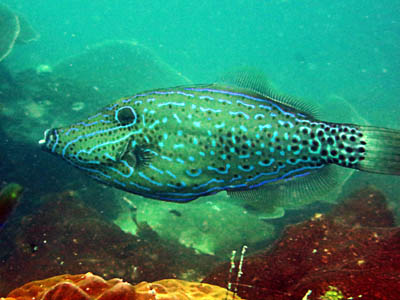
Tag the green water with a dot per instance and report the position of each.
(341, 55)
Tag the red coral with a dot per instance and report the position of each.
(333, 250)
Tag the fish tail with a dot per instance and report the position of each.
(382, 150)
(367, 148)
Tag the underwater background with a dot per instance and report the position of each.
(340, 55)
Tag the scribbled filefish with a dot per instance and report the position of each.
(181, 143)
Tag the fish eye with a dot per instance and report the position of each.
(126, 115)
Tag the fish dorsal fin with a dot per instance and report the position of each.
(256, 81)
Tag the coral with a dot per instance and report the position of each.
(90, 287)
(173, 289)
(74, 287)
(339, 249)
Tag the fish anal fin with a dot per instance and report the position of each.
(322, 185)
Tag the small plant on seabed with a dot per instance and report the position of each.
(332, 294)
(239, 274)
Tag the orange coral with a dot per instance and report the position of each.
(82, 287)
(91, 287)
(174, 289)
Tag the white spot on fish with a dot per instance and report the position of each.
(245, 104)
(171, 103)
(224, 101)
(177, 118)
(154, 124)
(206, 97)
(179, 160)
(220, 125)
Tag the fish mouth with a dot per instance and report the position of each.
(50, 140)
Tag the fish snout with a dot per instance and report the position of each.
(50, 139)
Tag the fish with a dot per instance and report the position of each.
(9, 198)
(238, 135)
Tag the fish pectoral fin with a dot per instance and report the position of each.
(130, 158)
(137, 156)
(323, 185)
(122, 150)
(114, 156)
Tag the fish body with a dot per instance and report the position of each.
(182, 143)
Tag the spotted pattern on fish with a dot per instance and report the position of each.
(182, 143)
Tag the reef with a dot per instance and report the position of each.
(64, 236)
(354, 250)
(90, 287)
